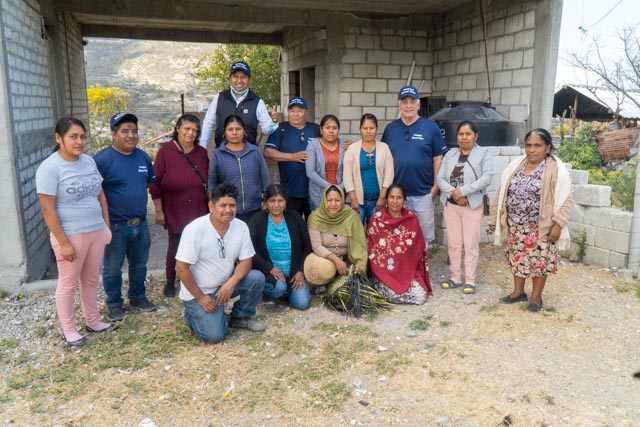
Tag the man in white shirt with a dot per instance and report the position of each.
(238, 100)
(214, 265)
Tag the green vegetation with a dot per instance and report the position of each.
(581, 241)
(103, 102)
(582, 152)
(622, 183)
(421, 324)
(213, 69)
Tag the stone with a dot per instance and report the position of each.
(577, 213)
(592, 195)
(620, 261)
(596, 256)
(621, 220)
(617, 241)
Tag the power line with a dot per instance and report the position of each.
(586, 30)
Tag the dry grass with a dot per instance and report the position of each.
(460, 357)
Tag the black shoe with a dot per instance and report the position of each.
(534, 308)
(142, 304)
(115, 314)
(169, 290)
(510, 300)
(111, 327)
(77, 343)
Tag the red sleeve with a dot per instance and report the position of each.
(158, 169)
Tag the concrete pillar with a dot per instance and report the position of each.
(546, 42)
(13, 262)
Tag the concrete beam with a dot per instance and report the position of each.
(216, 14)
(180, 35)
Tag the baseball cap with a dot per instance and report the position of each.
(119, 117)
(410, 91)
(240, 66)
(297, 101)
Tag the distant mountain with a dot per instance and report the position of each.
(153, 73)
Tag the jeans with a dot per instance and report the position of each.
(366, 211)
(132, 241)
(212, 327)
(423, 207)
(300, 299)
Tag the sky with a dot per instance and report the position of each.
(598, 18)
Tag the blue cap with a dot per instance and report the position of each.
(297, 101)
(240, 66)
(119, 117)
(410, 91)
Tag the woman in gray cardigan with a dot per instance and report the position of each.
(324, 164)
(464, 175)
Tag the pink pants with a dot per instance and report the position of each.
(463, 228)
(89, 249)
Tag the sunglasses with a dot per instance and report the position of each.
(302, 138)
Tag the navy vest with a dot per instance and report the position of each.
(246, 110)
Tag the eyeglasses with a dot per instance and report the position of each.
(406, 134)
(221, 246)
(302, 138)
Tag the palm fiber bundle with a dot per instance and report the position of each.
(355, 295)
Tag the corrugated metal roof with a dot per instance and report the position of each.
(607, 99)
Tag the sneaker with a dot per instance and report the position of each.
(247, 323)
(115, 314)
(142, 304)
(449, 284)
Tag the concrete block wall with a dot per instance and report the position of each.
(459, 70)
(30, 51)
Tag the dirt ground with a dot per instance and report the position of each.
(458, 360)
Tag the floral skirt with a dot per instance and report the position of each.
(527, 254)
(414, 295)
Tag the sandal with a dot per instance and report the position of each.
(77, 343)
(111, 327)
(449, 284)
(469, 289)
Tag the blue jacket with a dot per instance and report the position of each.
(245, 169)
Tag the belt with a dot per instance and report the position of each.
(132, 221)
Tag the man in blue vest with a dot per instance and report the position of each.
(288, 147)
(417, 147)
(238, 100)
(126, 171)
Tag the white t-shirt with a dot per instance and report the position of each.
(199, 246)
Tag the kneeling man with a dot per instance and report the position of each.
(214, 265)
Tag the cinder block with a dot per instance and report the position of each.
(612, 240)
(495, 28)
(512, 60)
(505, 43)
(449, 69)
(522, 77)
(366, 42)
(528, 38)
(468, 82)
(514, 23)
(527, 58)
(389, 71)
(476, 65)
(384, 100)
(365, 70)
(577, 213)
(510, 96)
(346, 71)
(621, 220)
(579, 177)
(472, 50)
(518, 113)
(375, 85)
(401, 57)
(457, 53)
(415, 43)
(462, 67)
(529, 19)
(617, 260)
(502, 79)
(352, 85)
(455, 83)
(464, 36)
(592, 195)
(444, 55)
(595, 256)
(500, 163)
(378, 56)
(354, 56)
(510, 150)
(345, 99)
(576, 229)
(363, 99)
(494, 150)
(392, 42)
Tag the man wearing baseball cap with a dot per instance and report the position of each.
(238, 100)
(417, 148)
(288, 146)
(126, 171)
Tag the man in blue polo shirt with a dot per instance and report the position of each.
(241, 101)
(417, 148)
(126, 171)
(287, 146)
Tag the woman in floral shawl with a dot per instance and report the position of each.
(397, 258)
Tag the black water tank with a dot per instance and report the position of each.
(493, 128)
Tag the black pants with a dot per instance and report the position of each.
(300, 205)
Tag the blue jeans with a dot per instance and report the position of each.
(366, 211)
(300, 299)
(212, 327)
(132, 241)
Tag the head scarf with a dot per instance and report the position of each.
(346, 222)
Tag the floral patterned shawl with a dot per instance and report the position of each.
(397, 252)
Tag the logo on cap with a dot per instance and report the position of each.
(119, 117)
(410, 91)
(240, 66)
(297, 101)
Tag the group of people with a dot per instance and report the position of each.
(341, 206)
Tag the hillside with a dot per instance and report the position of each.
(153, 73)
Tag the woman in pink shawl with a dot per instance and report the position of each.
(397, 255)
